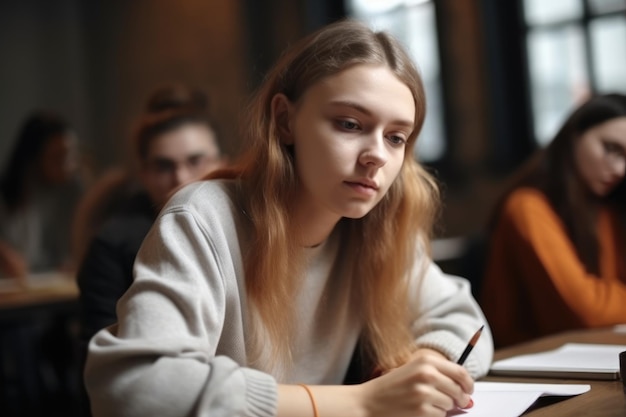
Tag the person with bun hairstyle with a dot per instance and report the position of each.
(557, 258)
(256, 288)
(175, 142)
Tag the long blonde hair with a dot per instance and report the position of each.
(385, 241)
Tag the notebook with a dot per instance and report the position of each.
(572, 360)
(507, 399)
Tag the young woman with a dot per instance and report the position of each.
(557, 258)
(274, 273)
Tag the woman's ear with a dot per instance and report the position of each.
(282, 110)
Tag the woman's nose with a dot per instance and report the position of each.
(619, 168)
(616, 163)
(374, 153)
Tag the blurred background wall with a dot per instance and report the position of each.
(95, 61)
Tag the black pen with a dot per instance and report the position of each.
(470, 346)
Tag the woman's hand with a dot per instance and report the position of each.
(428, 385)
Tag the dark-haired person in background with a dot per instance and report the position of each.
(558, 248)
(39, 190)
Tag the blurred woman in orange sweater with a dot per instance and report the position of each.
(557, 258)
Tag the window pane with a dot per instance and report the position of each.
(608, 47)
(549, 11)
(413, 22)
(372, 7)
(558, 76)
(604, 6)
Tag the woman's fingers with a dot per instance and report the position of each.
(446, 376)
(427, 385)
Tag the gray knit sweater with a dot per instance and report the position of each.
(179, 346)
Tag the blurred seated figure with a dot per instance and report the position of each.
(557, 258)
(175, 142)
(39, 190)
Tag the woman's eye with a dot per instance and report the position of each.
(348, 125)
(612, 148)
(397, 140)
(608, 147)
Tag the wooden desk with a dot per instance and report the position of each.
(40, 293)
(37, 349)
(606, 398)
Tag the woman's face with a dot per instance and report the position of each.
(176, 158)
(58, 161)
(349, 134)
(600, 156)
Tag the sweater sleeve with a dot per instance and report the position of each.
(551, 267)
(447, 316)
(161, 358)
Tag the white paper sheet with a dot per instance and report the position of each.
(508, 399)
(620, 328)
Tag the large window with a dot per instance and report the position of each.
(575, 48)
(413, 22)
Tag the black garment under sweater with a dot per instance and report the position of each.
(107, 269)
